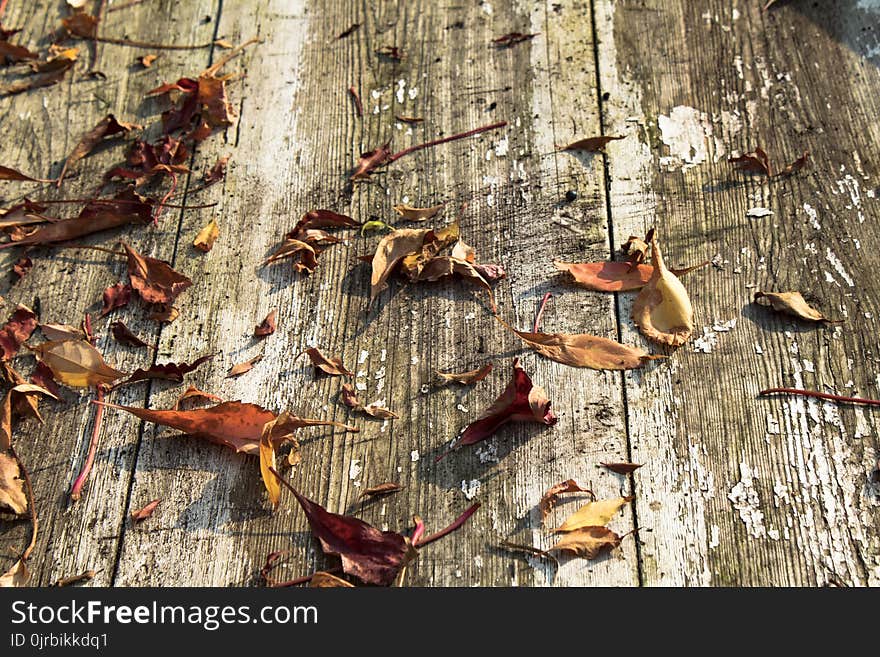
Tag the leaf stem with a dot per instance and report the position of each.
(443, 140)
(76, 491)
(458, 522)
(819, 395)
(540, 314)
(357, 100)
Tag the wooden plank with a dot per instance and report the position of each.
(41, 127)
(737, 490)
(296, 137)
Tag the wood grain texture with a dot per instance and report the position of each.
(738, 490)
(734, 491)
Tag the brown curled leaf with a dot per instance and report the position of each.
(167, 371)
(163, 312)
(13, 497)
(123, 335)
(381, 490)
(240, 368)
(22, 267)
(794, 304)
(349, 397)
(204, 241)
(466, 378)
(144, 512)
(322, 580)
(331, 365)
(622, 468)
(106, 127)
(663, 310)
(194, 393)
(217, 172)
(584, 350)
(17, 330)
(115, 296)
(551, 496)
(61, 332)
(588, 542)
(410, 213)
(154, 280)
(391, 250)
(7, 173)
(371, 160)
(591, 144)
(267, 326)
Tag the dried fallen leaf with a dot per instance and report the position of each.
(167, 371)
(17, 330)
(410, 213)
(349, 398)
(587, 542)
(22, 267)
(512, 39)
(240, 368)
(145, 512)
(756, 161)
(59, 332)
(796, 166)
(106, 127)
(794, 304)
(622, 468)
(115, 296)
(307, 240)
(382, 489)
(590, 144)
(584, 350)
(322, 580)
(45, 73)
(17, 576)
(594, 514)
(19, 400)
(392, 249)
(466, 378)
(194, 393)
(164, 157)
(163, 312)
(147, 60)
(663, 310)
(12, 493)
(11, 174)
(204, 241)
(217, 172)
(267, 326)
(11, 53)
(42, 377)
(521, 401)
(329, 365)
(549, 499)
(123, 335)
(154, 280)
(614, 276)
(371, 160)
(76, 363)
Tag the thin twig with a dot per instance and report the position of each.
(443, 140)
(540, 314)
(147, 44)
(114, 201)
(819, 395)
(458, 522)
(76, 491)
(30, 494)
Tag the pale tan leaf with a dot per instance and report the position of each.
(792, 303)
(12, 494)
(17, 576)
(410, 213)
(76, 363)
(587, 542)
(663, 310)
(594, 514)
(322, 580)
(204, 241)
(393, 248)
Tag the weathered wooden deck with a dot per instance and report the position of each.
(734, 491)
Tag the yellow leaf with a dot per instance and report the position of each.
(594, 514)
(587, 542)
(12, 495)
(76, 363)
(204, 241)
(322, 580)
(663, 310)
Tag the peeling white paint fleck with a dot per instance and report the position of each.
(684, 131)
(745, 499)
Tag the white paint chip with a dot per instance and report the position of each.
(470, 488)
(745, 499)
(414, 455)
(757, 213)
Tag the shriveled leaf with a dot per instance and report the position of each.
(144, 512)
(61, 332)
(584, 350)
(204, 241)
(12, 493)
(410, 213)
(792, 303)
(115, 296)
(42, 376)
(76, 363)
(98, 215)
(154, 280)
(10, 52)
(512, 38)
(216, 172)
(322, 580)
(240, 368)
(521, 401)
(757, 161)
(45, 73)
(17, 576)
(147, 60)
(267, 326)
(167, 371)
(466, 378)
(433, 243)
(7, 173)
(370, 160)
(588, 542)
(636, 249)
(590, 144)
(106, 127)
(622, 468)
(123, 335)
(663, 310)
(392, 249)
(234, 424)
(795, 166)
(304, 255)
(163, 312)
(594, 514)
(81, 24)
(551, 496)
(373, 556)
(16, 331)
(20, 399)
(166, 156)
(614, 276)
(382, 489)
(349, 398)
(22, 267)
(331, 365)
(194, 393)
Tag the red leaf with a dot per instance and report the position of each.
(155, 280)
(123, 335)
(145, 512)
(520, 402)
(331, 365)
(106, 127)
(370, 160)
(42, 376)
(22, 267)
(16, 331)
(167, 371)
(115, 296)
(622, 468)
(512, 39)
(266, 327)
